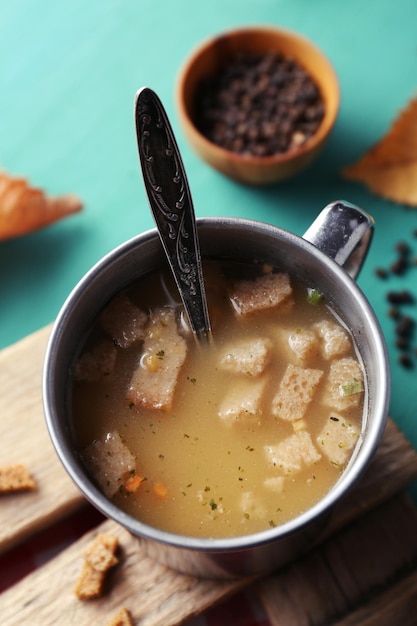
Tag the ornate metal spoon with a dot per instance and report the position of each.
(171, 204)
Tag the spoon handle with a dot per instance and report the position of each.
(170, 200)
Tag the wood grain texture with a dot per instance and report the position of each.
(24, 439)
(396, 605)
(154, 594)
(346, 570)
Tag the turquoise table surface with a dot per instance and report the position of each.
(68, 75)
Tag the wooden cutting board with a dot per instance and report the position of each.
(366, 560)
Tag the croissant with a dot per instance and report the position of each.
(24, 209)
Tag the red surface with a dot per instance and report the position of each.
(241, 609)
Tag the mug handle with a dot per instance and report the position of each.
(344, 233)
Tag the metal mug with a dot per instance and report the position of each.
(328, 257)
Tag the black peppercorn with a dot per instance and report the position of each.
(259, 105)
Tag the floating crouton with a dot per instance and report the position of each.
(121, 618)
(344, 387)
(335, 339)
(97, 364)
(293, 453)
(296, 391)
(109, 460)
(265, 292)
(248, 357)
(123, 321)
(154, 381)
(99, 557)
(15, 478)
(275, 483)
(251, 506)
(337, 438)
(242, 400)
(304, 344)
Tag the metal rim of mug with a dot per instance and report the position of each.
(60, 434)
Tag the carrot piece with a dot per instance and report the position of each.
(133, 483)
(160, 490)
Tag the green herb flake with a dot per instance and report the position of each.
(212, 505)
(351, 387)
(271, 523)
(160, 354)
(314, 297)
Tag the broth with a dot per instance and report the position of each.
(251, 429)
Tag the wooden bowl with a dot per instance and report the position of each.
(211, 56)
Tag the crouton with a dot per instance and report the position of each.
(97, 364)
(295, 392)
(293, 453)
(99, 557)
(109, 460)
(304, 344)
(15, 478)
(337, 438)
(251, 506)
(265, 292)
(242, 400)
(101, 552)
(248, 357)
(123, 321)
(344, 386)
(121, 618)
(335, 339)
(154, 381)
(275, 483)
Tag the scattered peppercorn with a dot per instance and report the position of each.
(400, 266)
(381, 272)
(400, 297)
(394, 313)
(405, 324)
(403, 248)
(405, 360)
(259, 105)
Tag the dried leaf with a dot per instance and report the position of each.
(24, 209)
(389, 168)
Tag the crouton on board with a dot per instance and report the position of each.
(265, 292)
(242, 400)
(121, 618)
(15, 478)
(344, 385)
(99, 557)
(154, 381)
(109, 460)
(296, 391)
(293, 453)
(123, 321)
(248, 356)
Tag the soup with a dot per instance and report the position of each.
(223, 439)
